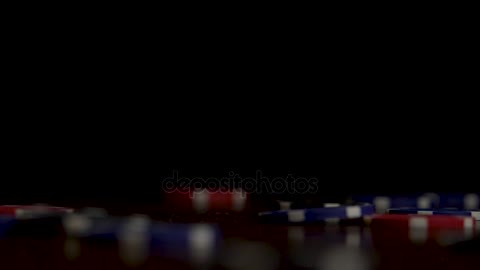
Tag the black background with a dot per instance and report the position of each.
(100, 159)
(362, 112)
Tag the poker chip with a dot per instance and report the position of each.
(28, 211)
(204, 200)
(323, 214)
(416, 235)
(424, 221)
(6, 224)
(287, 205)
(420, 228)
(467, 201)
(429, 200)
(450, 212)
(383, 203)
(198, 242)
(31, 220)
(138, 236)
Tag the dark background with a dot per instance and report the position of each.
(120, 109)
(83, 159)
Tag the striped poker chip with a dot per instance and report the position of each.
(421, 227)
(383, 203)
(424, 221)
(29, 211)
(288, 205)
(467, 201)
(323, 214)
(204, 200)
(198, 242)
(138, 236)
(394, 230)
(449, 212)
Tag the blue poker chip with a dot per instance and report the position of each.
(140, 233)
(450, 212)
(110, 227)
(382, 203)
(6, 223)
(325, 214)
(467, 201)
(200, 242)
(41, 224)
(104, 228)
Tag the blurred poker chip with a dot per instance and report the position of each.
(200, 201)
(30, 211)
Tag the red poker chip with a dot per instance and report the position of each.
(426, 222)
(420, 229)
(20, 211)
(203, 200)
